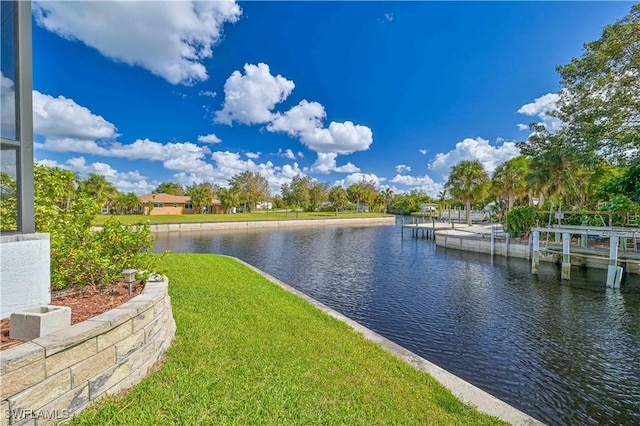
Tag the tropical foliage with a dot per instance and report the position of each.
(599, 104)
(304, 193)
(201, 195)
(338, 198)
(80, 257)
(170, 188)
(251, 189)
(519, 221)
(468, 182)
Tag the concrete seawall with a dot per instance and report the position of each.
(467, 241)
(256, 224)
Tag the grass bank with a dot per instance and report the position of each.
(249, 352)
(178, 218)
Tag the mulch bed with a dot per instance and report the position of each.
(84, 303)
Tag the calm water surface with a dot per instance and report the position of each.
(567, 354)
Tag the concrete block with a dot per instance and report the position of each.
(108, 379)
(126, 346)
(69, 357)
(142, 355)
(37, 321)
(71, 336)
(25, 418)
(151, 330)
(19, 356)
(43, 393)
(112, 337)
(143, 319)
(90, 367)
(139, 305)
(159, 307)
(5, 414)
(62, 408)
(22, 378)
(152, 296)
(115, 316)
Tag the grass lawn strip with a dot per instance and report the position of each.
(182, 218)
(249, 352)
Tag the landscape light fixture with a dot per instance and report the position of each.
(129, 277)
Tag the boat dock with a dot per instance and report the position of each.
(427, 228)
(623, 245)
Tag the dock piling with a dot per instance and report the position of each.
(535, 259)
(612, 270)
(566, 256)
(493, 239)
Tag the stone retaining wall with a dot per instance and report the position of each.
(53, 377)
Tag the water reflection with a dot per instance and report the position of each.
(566, 353)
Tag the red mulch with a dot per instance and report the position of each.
(84, 303)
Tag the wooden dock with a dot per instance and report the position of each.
(427, 228)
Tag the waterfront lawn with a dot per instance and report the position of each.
(179, 218)
(249, 352)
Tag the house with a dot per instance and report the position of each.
(175, 204)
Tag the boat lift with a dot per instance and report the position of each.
(616, 235)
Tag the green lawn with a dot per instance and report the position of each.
(248, 352)
(175, 218)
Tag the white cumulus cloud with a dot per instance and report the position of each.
(474, 149)
(171, 39)
(541, 107)
(300, 119)
(253, 155)
(326, 163)
(403, 168)
(358, 177)
(250, 98)
(131, 181)
(211, 138)
(63, 118)
(287, 153)
(305, 121)
(422, 183)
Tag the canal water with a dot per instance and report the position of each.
(565, 353)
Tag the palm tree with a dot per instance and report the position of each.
(508, 181)
(201, 196)
(338, 198)
(468, 183)
(127, 203)
(228, 198)
(558, 176)
(388, 197)
(98, 188)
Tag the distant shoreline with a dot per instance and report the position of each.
(266, 223)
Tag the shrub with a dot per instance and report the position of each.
(520, 220)
(80, 257)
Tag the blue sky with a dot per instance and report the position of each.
(395, 92)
